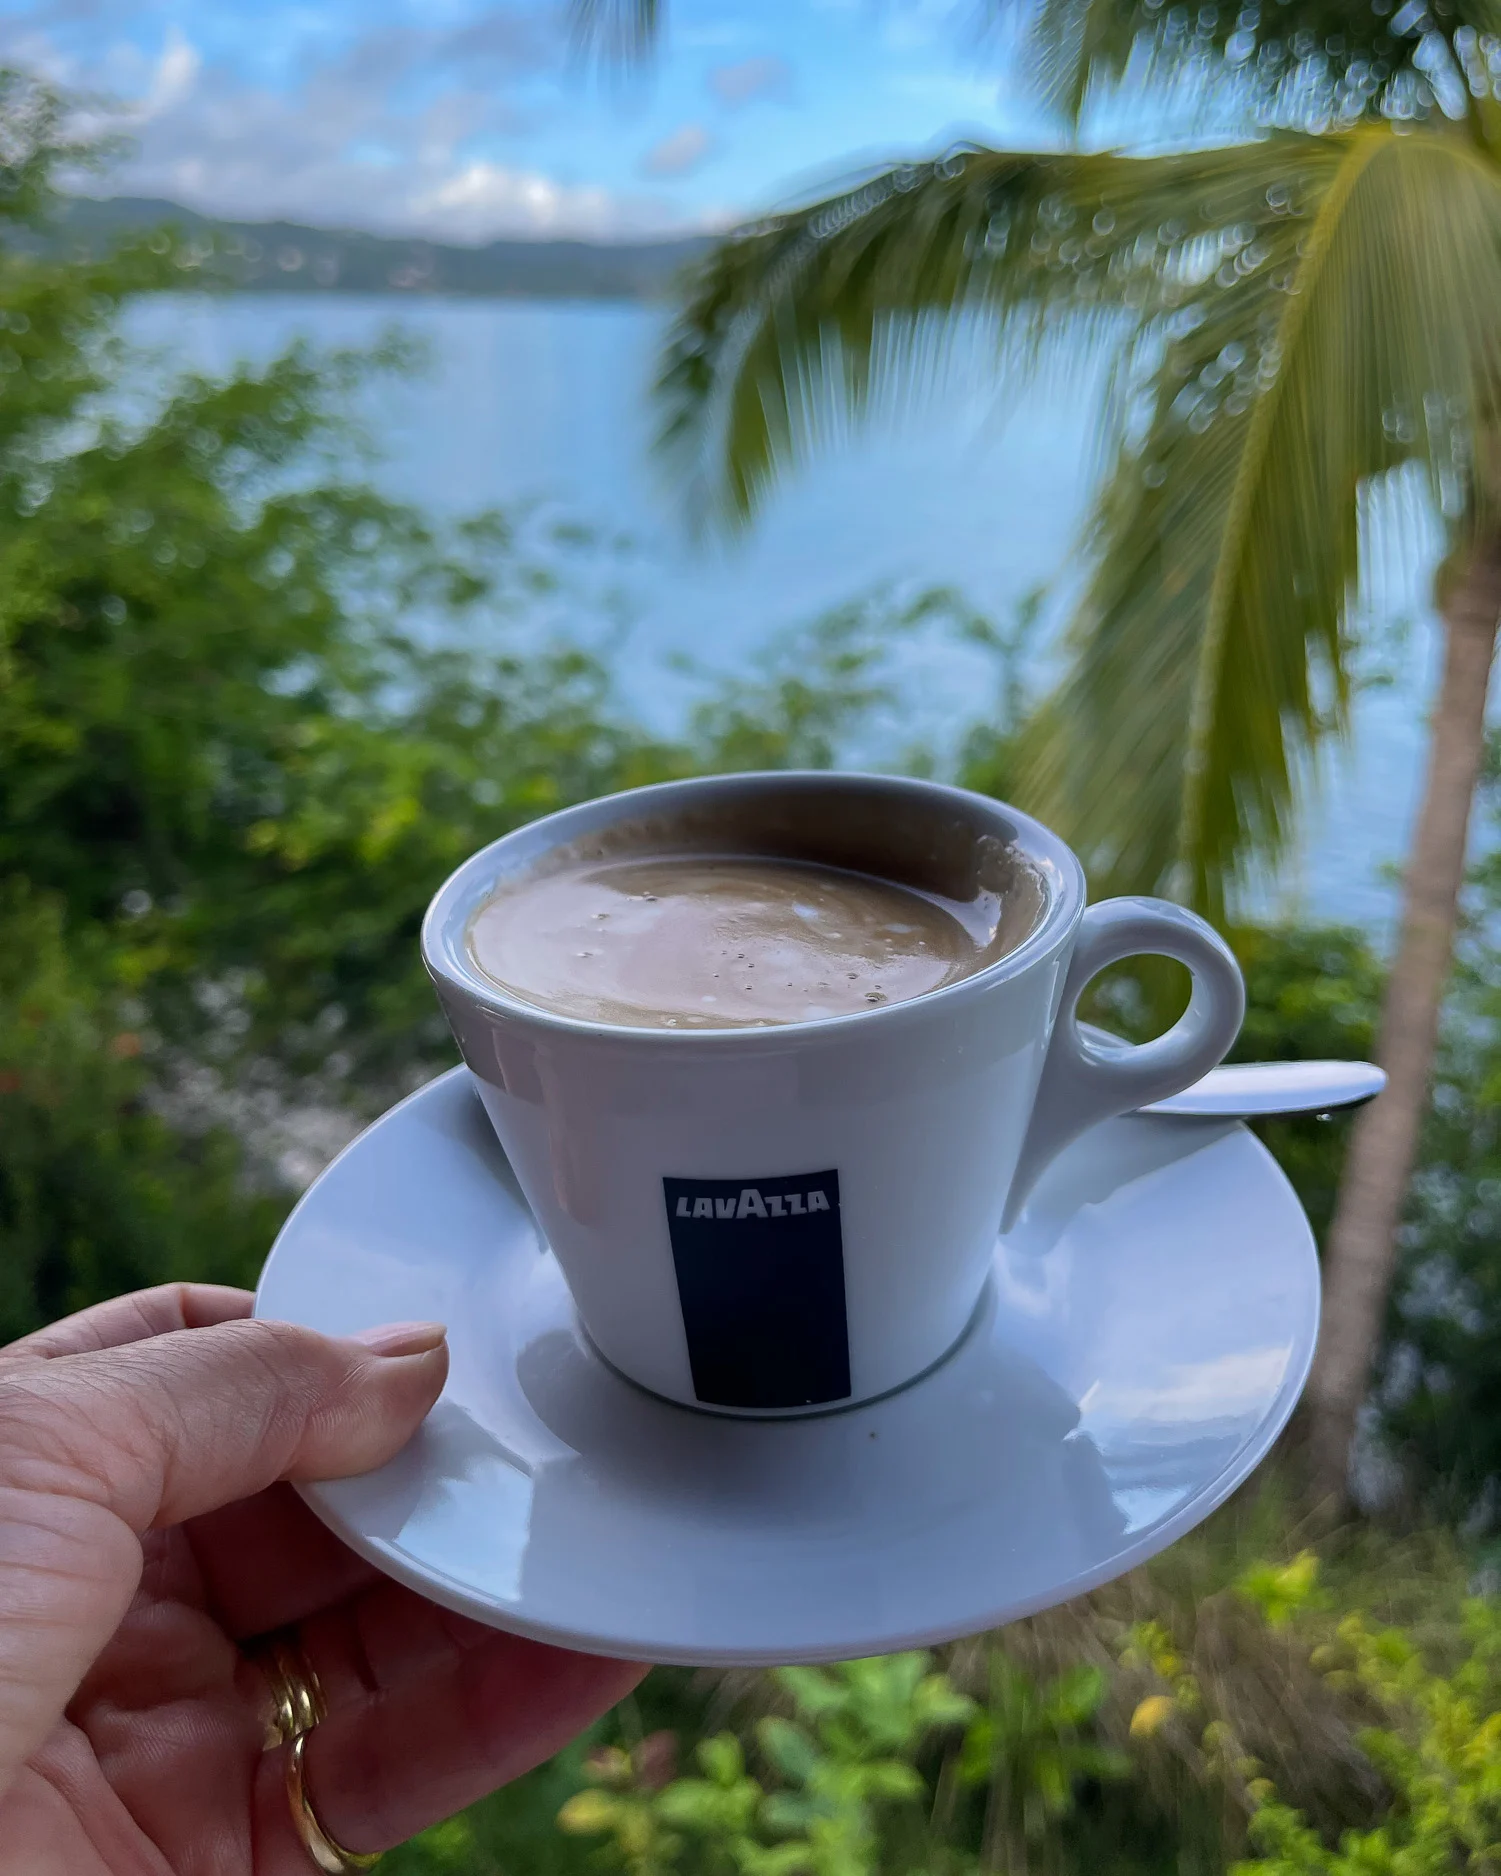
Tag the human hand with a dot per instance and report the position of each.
(148, 1533)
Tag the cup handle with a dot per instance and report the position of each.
(1083, 1082)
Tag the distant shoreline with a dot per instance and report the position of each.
(294, 257)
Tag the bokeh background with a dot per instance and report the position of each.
(414, 419)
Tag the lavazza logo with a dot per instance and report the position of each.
(752, 1203)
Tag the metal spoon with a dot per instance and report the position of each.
(1248, 1090)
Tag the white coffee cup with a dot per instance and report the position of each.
(798, 1217)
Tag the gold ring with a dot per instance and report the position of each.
(329, 1856)
(297, 1702)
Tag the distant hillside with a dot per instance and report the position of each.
(286, 256)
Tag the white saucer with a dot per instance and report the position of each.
(1150, 1325)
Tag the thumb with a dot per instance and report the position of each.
(167, 1428)
(97, 1448)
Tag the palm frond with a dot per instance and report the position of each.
(1301, 61)
(1294, 317)
(617, 31)
(1352, 331)
(794, 325)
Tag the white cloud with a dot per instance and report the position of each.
(678, 153)
(175, 75)
(482, 198)
(257, 162)
(746, 79)
(396, 131)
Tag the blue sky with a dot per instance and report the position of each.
(465, 119)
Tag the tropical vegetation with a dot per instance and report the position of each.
(1215, 1712)
(250, 712)
(1294, 264)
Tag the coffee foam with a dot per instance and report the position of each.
(753, 917)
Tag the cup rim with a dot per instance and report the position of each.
(445, 923)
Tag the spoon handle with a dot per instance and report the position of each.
(1245, 1090)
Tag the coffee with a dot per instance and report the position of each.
(705, 941)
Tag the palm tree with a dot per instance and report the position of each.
(1300, 314)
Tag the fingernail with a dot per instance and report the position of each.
(402, 1338)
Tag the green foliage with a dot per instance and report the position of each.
(1442, 1406)
(514, 1831)
(98, 1194)
(988, 756)
(1211, 651)
(1313, 992)
(217, 719)
(1349, 61)
(847, 1757)
(1282, 1591)
(1149, 1730)
(811, 690)
(1030, 1749)
(841, 1764)
(1438, 1748)
(882, 1765)
(251, 713)
(1292, 319)
(230, 772)
(36, 141)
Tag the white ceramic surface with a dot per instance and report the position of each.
(1146, 1332)
(768, 1219)
(1259, 1090)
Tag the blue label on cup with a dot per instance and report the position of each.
(760, 1269)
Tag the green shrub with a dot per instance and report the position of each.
(1436, 1744)
(877, 1766)
(1442, 1397)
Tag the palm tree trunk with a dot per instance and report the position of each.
(1361, 1251)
